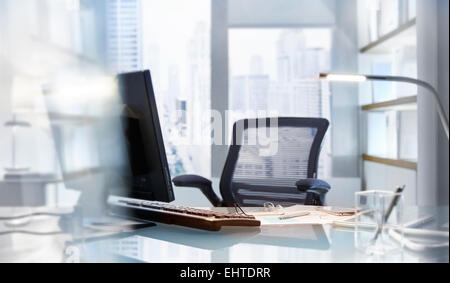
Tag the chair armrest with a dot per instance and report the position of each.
(315, 189)
(191, 181)
(203, 184)
(317, 185)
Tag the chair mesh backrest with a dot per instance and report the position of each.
(265, 161)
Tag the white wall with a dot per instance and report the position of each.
(432, 52)
(5, 88)
(219, 77)
(443, 88)
(385, 177)
(281, 12)
(344, 104)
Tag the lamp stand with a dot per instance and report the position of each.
(14, 124)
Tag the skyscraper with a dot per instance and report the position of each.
(290, 54)
(124, 35)
(174, 89)
(297, 66)
(250, 93)
(199, 98)
(198, 61)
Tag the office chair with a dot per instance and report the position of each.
(252, 177)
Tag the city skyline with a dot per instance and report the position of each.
(287, 88)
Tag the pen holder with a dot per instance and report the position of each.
(377, 213)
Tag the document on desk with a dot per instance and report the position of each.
(314, 217)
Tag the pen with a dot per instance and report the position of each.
(293, 215)
(266, 213)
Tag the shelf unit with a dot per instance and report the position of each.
(388, 110)
(403, 35)
(408, 103)
(399, 104)
(407, 164)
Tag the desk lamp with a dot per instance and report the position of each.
(14, 124)
(340, 77)
(23, 94)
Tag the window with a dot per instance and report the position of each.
(176, 49)
(273, 72)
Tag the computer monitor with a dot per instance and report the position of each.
(150, 177)
(110, 144)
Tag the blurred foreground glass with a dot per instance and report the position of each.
(373, 221)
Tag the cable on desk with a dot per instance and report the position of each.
(236, 206)
(34, 214)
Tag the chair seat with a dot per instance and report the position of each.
(258, 195)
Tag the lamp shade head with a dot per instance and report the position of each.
(25, 91)
(336, 77)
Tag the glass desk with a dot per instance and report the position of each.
(167, 243)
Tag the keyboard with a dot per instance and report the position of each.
(184, 216)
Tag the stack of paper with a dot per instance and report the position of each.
(314, 216)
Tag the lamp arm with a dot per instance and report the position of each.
(437, 100)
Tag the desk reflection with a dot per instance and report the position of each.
(166, 243)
